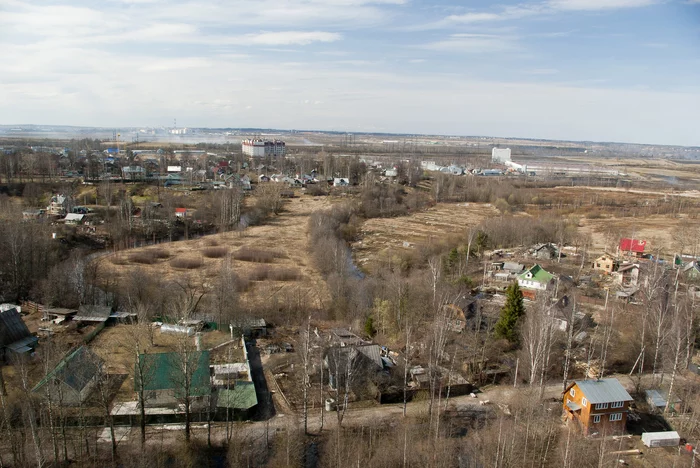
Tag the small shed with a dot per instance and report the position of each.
(241, 396)
(59, 315)
(74, 218)
(253, 327)
(93, 313)
(239, 399)
(661, 439)
(657, 400)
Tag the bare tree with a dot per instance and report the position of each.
(229, 204)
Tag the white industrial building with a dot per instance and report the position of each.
(257, 147)
(500, 155)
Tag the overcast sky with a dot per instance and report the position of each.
(603, 70)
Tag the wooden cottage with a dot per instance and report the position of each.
(598, 406)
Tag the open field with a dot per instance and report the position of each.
(380, 237)
(654, 215)
(283, 238)
(658, 231)
(647, 168)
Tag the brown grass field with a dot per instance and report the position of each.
(284, 235)
(381, 237)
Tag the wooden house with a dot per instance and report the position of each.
(604, 263)
(598, 406)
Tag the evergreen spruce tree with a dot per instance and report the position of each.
(512, 311)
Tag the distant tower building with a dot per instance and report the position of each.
(257, 147)
(499, 155)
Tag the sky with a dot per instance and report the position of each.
(597, 70)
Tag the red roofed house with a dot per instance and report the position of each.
(633, 246)
(181, 212)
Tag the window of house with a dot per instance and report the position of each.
(584, 402)
(596, 419)
(601, 406)
(616, 417)
(572, 392)
(617, 404)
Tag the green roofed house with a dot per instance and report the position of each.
(537, 278)
(240, 398)
(167, 377)
(73, 379)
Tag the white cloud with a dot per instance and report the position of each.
(184, 63)
(523, 10)
(473, 18)
(472, 43)
(542, 71)
(599, 4)
(286, 38)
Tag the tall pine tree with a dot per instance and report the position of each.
(512, 311)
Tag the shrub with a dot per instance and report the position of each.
(160, 253)
(146, 258)
(265, 272)
(118, 260)
(211, 242)
(187, 263)
(259, 273)
(247, 254)
(215, 252)
(284, 274)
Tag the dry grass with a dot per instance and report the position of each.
(118, 260)
(382, 237)
(285, 240)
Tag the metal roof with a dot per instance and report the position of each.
(655, 398)
(93, 313)
(241, 396)
(537, 273)
(76, 370)
(573, 406)
(372, 352)
(603, 390)
(12, 327)
(165, 371)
